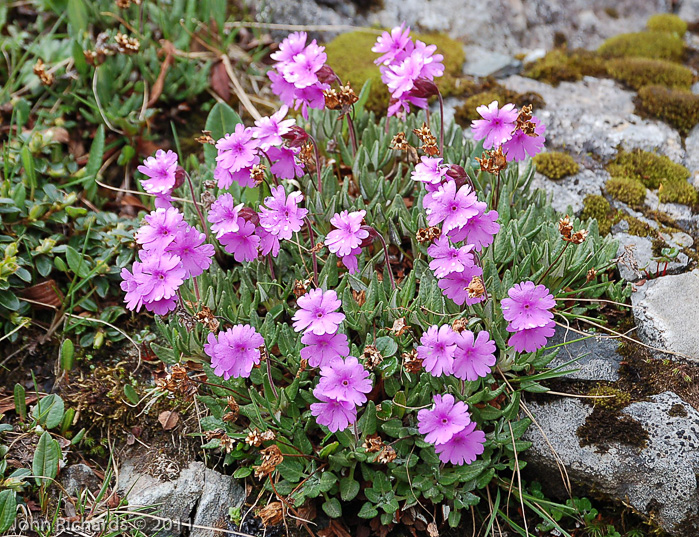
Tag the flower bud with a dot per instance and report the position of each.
(179, 177)
(250, 215)
(296, 136)
(458, 174)
(373, 234)
(326, 75)
(424, 88)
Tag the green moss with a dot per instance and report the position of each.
(639, 72)
(350, 57)
(636, 227)
(656, 45)
(606, 426)
(597, 208)
(678, 108)
(561, 65)
(626, 189)
(649, 168)
(667, 22)
(610, 397)
(556, 165)
(677, 192)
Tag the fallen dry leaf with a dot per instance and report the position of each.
(169, 419)
(219, 81)
(45, 293)
(7, 404)
(169, 50)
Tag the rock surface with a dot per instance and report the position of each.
(198, 496)
(642, 251)
(667, 313)
(597, 116)
(596, 357)
(658, 478)
(570, 192)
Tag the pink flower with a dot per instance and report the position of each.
(335, 415)
(269, 130)
(190, 246)
(448, 258)
(436, 350)
(160, 171)
(450, 206)
(160, 229)
(282, 217)
(269, 244)
(162, 306)
(285, 163)
(528, 306)
(131, 286)
(392, 45)
(430, 170)
(441, 422)
(531, 339)
(161, 275)
(351, 261)
(320, 350)
(310, 97)
(479, 230)
(290, 46)
(237, 150)
(345, 380)
(225, 177)
(349, 233)
(496, 126)
(463, 447)
(474, 357)
(317, 312)
(432, 66)
(455, 285)
(400, 78)
(243, 244)
(520, 145)
(223, 214)
(235, 352)
(301, 70)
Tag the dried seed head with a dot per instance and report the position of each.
(177, 382)
(271, 458)
(565, 227)
(372, 356)
(257, 173)
(317, 247)
(399, 327)
(387, 454)
(306, 155)
(493, 161)
(46, 78)
(524, 121)
(373, 443)
(206, 317)
(205, 138)
(591, 275)
(126, 44)
(268, 436)
(332, 99)
(300, 287)
(271, 514)
(399, 142)
(303, 365)
(347, 95)
(254, 438)
(459, 325)
(424, 133)
(428, 234)
(475, 288)
(123, 4)
(579, 236)
(359, 297)
(411, 362)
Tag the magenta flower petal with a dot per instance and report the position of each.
(441, 422)
(191, 247)
(528, 306)
(160, 171)
(244, 243)
(223, 215)
(282, 215)
(317, 312)
(349, 233)
(531, 339)
(448, 258)
(455, 285)
(235, 351)
(319, 350)
(463, 447)
(450, 206)
(344, 380)
(480, 229)
(436, 350)
(520, 145)
(335, 415)
(474, 358)
(496, 126)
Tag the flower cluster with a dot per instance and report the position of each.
(448, 426)
(527, 311)
(234, 352)
(171, 252)
(348, 237)
(298, 77)
(402, 62)
(463, 354)
(516, 133)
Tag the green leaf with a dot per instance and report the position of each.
(77, 262)
(387, 346)
(8, 509)
(243, 471)
(46, 457)
(333, 508)
(9, 300)
(48, 411)
(131, 394)
(67, 355)
(368, 511)
(77, 15)
(349, 488)
(20, 398)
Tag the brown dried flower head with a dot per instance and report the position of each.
(565, 227)
(177, 382)
(226, 442)
(205, 138)
(372, 356)
(300, 287)
(303, 365)
(399, 327)
(387, 454)
(493, 161)
(428, 234)
(254, 438)
(429, 142)
(332, 99)
(347, 95)
(459, 325)
(399, 142)
(234, 410)
(359, 297)
(579, 236)
(411, 362)
(257, 173)
(475, 288)
(591, 275)
(40, 70)
(272, 514)
(373, 443)
(206, 317)
(126, 44)
(524, 121)
(318, 247)
(306, 155)
(271, 458)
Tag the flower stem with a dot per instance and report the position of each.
(317, 156)
(388, 262)
(352, 134)
(271, 266)
(196, 205)
(196, 288)
(312, 238)
(269, 374)
(496, 194)
(553, 264)
(441, 123)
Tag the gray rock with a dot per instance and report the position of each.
(658, 478)
(576, 121)
(198, 495)
(570, 192)
(481, 62)
(691, 144)
(667, 313)
(596, 357)
(643, 259)
(77, 477)
(682, 214)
